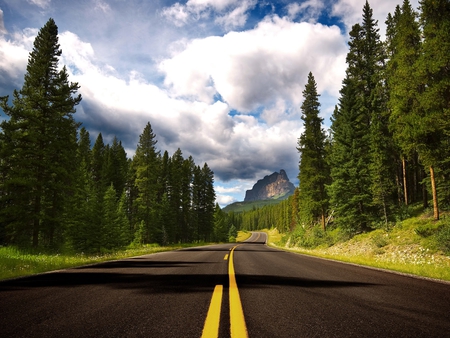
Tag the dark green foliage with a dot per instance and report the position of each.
(221, 228)
(443, 238)
(39, 141)
(360, 157)
(314, 171)
(146, 165)
(267, 217)
(56, 191)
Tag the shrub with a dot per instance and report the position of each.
(443, 238)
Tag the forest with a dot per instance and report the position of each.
(58, 191)
(388, 146)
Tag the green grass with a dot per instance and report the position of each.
(415, 246)
(243, 235)
(16, 263)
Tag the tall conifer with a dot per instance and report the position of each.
(39, 145)
(314, 172)
(351, 192)
(433, 72)
(146, 162)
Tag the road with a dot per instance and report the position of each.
(238, 290)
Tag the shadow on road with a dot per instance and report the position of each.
(147, 276)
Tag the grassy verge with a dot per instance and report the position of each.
(16, 263)
(403, 248)
(243, 235)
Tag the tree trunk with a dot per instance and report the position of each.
(434, 193)
(36, 220)
(405, 181)
(323, 221)
(424, 189)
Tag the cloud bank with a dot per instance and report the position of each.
(222, 80)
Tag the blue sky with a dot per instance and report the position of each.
(220, 79)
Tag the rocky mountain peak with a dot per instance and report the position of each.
(274, 186)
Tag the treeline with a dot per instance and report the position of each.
(58, 190)
(389, 142)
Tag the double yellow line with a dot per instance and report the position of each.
(238, 329)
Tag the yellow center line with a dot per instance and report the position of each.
(238, 328)
(237, 320)
(211, 328)
(226, 257)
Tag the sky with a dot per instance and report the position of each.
(220, 79)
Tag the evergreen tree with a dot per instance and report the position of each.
(314, 172)
(98, 189)
(206, 215)
(404, 46)
(349, 160)
(39, 143)
(116, 167)
(146, 162)
(175, 194)
(352, 160)
(433, 72)
(81, 212)
(220, 225)
(187, 227)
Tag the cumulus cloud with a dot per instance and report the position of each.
(350, 11)
(40, 3)
(234, 146)
(228, 13)
(308, 10)
(14, 50)
(2, 24)
(259, 66)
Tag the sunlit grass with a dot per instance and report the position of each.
(16, 263)
(399, 249)
(243, 235)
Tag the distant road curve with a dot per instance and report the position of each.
(257, 237)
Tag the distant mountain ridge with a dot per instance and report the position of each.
(274, 186)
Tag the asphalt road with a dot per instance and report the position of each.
(263, 291)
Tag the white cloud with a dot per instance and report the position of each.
(40, 3)
(233, 146)
(260, 66)
(237, 17)
(308, 10)
(224, 200)
(178, 14)
(102, 6)
(2, 24)
(228, 13)
(350, 11)
(14, 55)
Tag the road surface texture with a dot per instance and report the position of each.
(231, 290)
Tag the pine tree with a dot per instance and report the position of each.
(81, 212)
(39, 145)
(98, 189)
(175, 194)
(187, 227)
(116, 167)
(206, 216)
(314, 172)
(404, 46)
(433, 73)
(146, 162)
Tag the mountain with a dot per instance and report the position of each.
(274, 186)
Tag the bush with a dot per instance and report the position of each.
(425, 230)
(443, 238)
(380, 241)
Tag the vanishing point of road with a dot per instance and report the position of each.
(231, 290)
